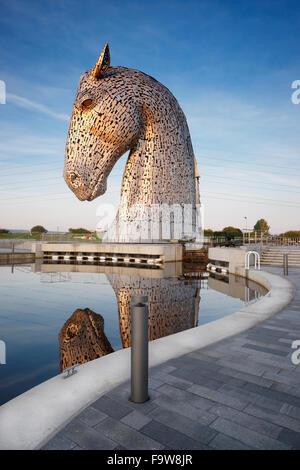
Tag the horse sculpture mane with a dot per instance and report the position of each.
(116, 110)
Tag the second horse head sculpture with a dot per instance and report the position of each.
(116, 110)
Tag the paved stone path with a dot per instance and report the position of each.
(241, 393)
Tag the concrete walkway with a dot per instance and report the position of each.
(240, 393)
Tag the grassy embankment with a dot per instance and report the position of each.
(50, 237)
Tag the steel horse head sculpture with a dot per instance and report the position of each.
(116, 110)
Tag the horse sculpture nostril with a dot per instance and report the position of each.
(74, 179)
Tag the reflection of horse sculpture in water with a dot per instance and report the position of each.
(117, 109)
(173, 305)
(82, 339)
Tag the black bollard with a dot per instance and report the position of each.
(139, 349)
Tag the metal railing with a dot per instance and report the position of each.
(273, 241)
(252, 240)
(70, 237)
(256, 259)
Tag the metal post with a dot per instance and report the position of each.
(286, 264)
(139, 349)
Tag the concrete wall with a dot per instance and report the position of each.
(18, 243)
(164, 271)
(169, 251)
(234, 256)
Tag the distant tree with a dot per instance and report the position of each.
(232, 229)
(291, 234)
(4, 230)
(38, 229)
(79, 230)
(208, 232)
(261, 226)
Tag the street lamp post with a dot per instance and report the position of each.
(246, 230)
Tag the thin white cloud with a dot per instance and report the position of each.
(28, 104)
(16, 145)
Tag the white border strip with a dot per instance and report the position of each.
(31, 419)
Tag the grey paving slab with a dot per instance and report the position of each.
(219, 397)
(200, 376)
(240, 393)
(59, 442)
(154, 383)
(224, 442)
(126, 436)
(185, 408)
(264, 382)
(190, 363)
(250, 397)
(273, 394)
(87, 437)
(256, 424)
(270, 347)
(274, 417)
(171, 438)
(262, 359)
(91, 416)
(271, 351)
(290, 437)
(281, 377)
(136, 420)
(247, 436)
(164, 368)
(173, 380)
(223, 411)
(187, 426)
(291, 410)
(178, 394)
(111, 407)
(249, 367)
(201, 355)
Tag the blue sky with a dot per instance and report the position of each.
(229, 64)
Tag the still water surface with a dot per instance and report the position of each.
(43, 336)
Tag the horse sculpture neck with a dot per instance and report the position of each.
(160, 169)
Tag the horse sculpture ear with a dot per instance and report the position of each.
(102, 63)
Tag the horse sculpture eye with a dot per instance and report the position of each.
(87, 104)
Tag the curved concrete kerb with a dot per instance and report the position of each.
(31, 419)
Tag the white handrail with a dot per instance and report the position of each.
(256, 259)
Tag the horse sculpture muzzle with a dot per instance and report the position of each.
(83, 191)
